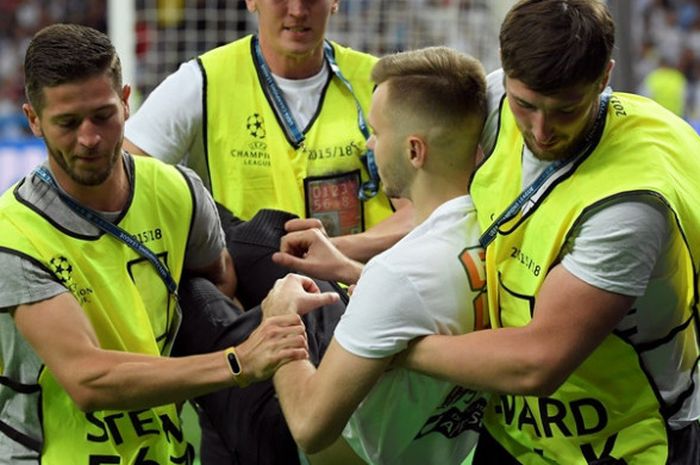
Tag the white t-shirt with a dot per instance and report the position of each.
(418, 287)
(168, 125)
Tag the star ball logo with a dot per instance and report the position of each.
(256, 126)
(62, 269)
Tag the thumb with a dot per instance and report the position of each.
(313, 301)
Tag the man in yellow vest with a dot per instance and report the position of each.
(588, 203)
(94, 243)
(277, 120)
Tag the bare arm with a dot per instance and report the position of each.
(365, 245)
(571, 319)
(222, 273)
(318, 403)
(98, 379)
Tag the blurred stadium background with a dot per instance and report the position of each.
(154, 36)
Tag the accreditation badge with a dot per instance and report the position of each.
(334, 200)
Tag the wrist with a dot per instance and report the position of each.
(235, 367)
(351, 272)
(344, 244)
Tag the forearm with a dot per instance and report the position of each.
(309, 427)
(96, 378)
(363, 246)
(347, 272)
(570, 320)
(499, 360)
(112, 380)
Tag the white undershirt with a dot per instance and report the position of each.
(303, 95)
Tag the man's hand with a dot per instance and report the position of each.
(302, 224)
(295, 294)
(362, 246)
(309, 251)
(278, 340)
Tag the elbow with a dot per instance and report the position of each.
(311, 438)
(541, 376)
(311, 446)
(85, 400)
(89, 398)
(540, 385)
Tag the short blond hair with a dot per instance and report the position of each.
(437, 83)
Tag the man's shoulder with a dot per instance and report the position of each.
(353, 63)
(143, 163)
(27, 192)
(440, 239)
(343, 50)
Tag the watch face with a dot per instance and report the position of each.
(233, 362)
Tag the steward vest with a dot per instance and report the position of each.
(252, 165)
(609, 408)
(128, 306)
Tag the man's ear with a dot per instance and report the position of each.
(33, 119)
(126, 93)
(417, 151)
(606, 75)
(250, 4)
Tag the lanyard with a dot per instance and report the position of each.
(369, 188)
(98, 221)
(490, 234)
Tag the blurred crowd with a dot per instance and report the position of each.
(19, 20)
(666, 37)
(668, 63)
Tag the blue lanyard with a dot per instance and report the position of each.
(490, 234)
(369, 188)
(97, 220)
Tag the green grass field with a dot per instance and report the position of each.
(191, 427)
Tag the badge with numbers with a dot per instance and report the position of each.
(333, 200)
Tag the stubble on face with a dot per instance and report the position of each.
(396, 175)
(85, 176)
(570, 117)
(82, 124)
(388, 145)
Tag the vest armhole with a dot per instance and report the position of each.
(195, 208)
(205, 118)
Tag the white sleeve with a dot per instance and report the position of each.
(385, 312)
(618, 247)
(169, 122)
(494, 93)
